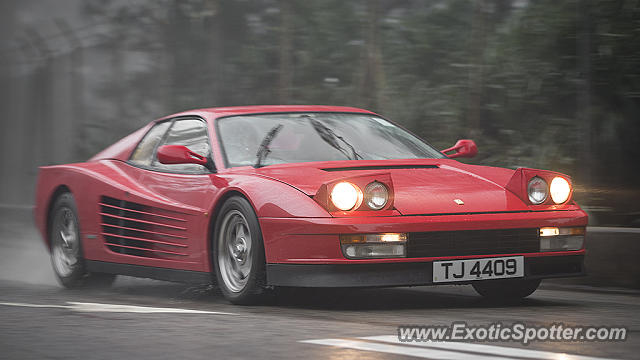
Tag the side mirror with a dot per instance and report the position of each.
(462, 148)
(179, 154)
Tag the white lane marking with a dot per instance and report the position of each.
(97, 307)
(33, 305)
(399, 350)
(485, 349)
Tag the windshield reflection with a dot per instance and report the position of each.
(261, 140)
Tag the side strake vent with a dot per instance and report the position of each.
(140, 230)
(381, 167)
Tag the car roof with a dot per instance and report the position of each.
(121, 149)
(218, 112)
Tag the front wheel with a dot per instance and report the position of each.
(507, 289)
(238, 252)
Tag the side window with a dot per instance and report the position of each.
(191, 133)
(143, 154)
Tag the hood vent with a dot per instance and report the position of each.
(381, 167)
(140, 230)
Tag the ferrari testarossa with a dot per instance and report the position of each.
(259, 197)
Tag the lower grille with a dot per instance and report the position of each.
(555, 265)
(472, 242)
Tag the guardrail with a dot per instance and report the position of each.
(612, 258)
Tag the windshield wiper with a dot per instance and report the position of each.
(263, 150)
(332, 138)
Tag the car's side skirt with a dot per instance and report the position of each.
(196, 277)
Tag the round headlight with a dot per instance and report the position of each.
(345, 196)
(376, 195)
(560, 190)
(538, 190)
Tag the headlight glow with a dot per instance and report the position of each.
(346, 196)
(376, 195)
(560, 190)
(549, 231)
(538, 190)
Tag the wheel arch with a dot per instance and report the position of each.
(57, 192)
(268, 198)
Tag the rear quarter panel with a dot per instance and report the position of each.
(88, 182)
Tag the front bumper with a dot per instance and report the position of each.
(306, 252)
(317, 240)
(405, 273)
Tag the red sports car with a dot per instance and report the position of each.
(306, 196)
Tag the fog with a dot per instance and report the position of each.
(24, 257)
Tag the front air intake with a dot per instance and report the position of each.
(140, 230)
(473, 242)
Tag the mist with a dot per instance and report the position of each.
(24, 257)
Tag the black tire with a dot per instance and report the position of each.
(66, 250)
(507, 289)
(240, 274)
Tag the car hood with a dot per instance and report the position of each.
(431, 186)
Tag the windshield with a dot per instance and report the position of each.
(260, 140)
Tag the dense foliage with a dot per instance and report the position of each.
(542, 84)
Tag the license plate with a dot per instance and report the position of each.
(478, 269)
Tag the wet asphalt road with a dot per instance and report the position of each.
(40, 320)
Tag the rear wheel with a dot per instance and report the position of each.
(238, 252)
(66, 247)
(507, 289)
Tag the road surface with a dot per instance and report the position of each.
(148, 319)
